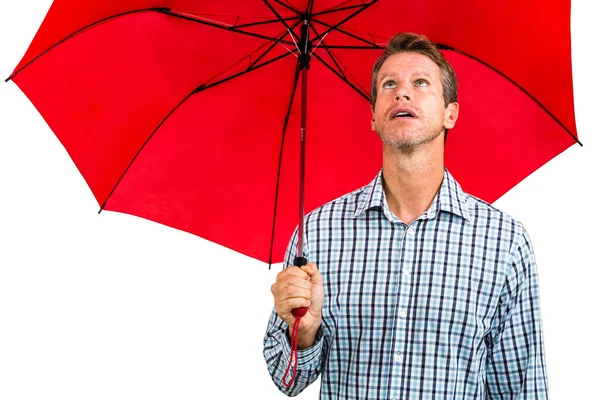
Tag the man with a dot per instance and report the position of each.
(422, 291)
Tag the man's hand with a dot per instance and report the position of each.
(300, 287)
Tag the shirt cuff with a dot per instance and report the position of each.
(308, 358)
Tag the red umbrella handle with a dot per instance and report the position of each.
(298, 313)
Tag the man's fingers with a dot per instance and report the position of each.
(290, 304)
(292, 280)
(292, 271)
(289, 296)
(294, 291)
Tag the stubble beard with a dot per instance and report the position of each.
(409, 142)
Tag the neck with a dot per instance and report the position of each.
(411, 179)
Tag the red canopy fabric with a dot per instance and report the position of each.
(142, 101)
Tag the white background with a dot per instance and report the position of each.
(113, 306)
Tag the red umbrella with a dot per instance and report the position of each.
(187, 112)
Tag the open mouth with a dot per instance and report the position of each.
(403, 114)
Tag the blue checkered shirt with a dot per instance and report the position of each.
(444, 308)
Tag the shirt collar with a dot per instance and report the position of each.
(449, 198)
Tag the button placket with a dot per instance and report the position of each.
(406, 278)
(402, 312)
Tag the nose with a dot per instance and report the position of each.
(403, 93)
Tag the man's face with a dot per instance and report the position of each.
(409, 109)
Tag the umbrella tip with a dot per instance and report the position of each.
(8, 79)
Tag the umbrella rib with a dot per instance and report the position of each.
(281, 20)
(273, 45)
(77, 33)
(202, 88)
(374, 47)
(349, 17)
(285, 122)
(197, 90)
(255, 61)
(337, 10)
(348, 33)
(288, 7)
(343, 78)
(341, 71)
(271, 21)
(141, 148)
(172, 13)
(446, 47)
(309, 7)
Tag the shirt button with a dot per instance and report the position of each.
(402, 314)
(405, 271)
(397, 358)
(411, 231)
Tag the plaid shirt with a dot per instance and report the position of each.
(444, 308)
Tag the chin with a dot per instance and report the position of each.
(408, 141)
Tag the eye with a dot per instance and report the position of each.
(421, 82)
(389, 85)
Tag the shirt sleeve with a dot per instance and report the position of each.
(516, 362)
(277, 347)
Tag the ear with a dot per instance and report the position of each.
(372, 119)
(451, 115)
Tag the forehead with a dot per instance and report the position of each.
(408, 63)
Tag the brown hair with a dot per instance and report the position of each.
(412, 42)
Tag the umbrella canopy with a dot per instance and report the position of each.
(188, 112)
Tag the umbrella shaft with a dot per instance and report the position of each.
(304, 78)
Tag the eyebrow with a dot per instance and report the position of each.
(422, 72)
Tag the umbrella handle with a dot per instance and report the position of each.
(300, 312)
